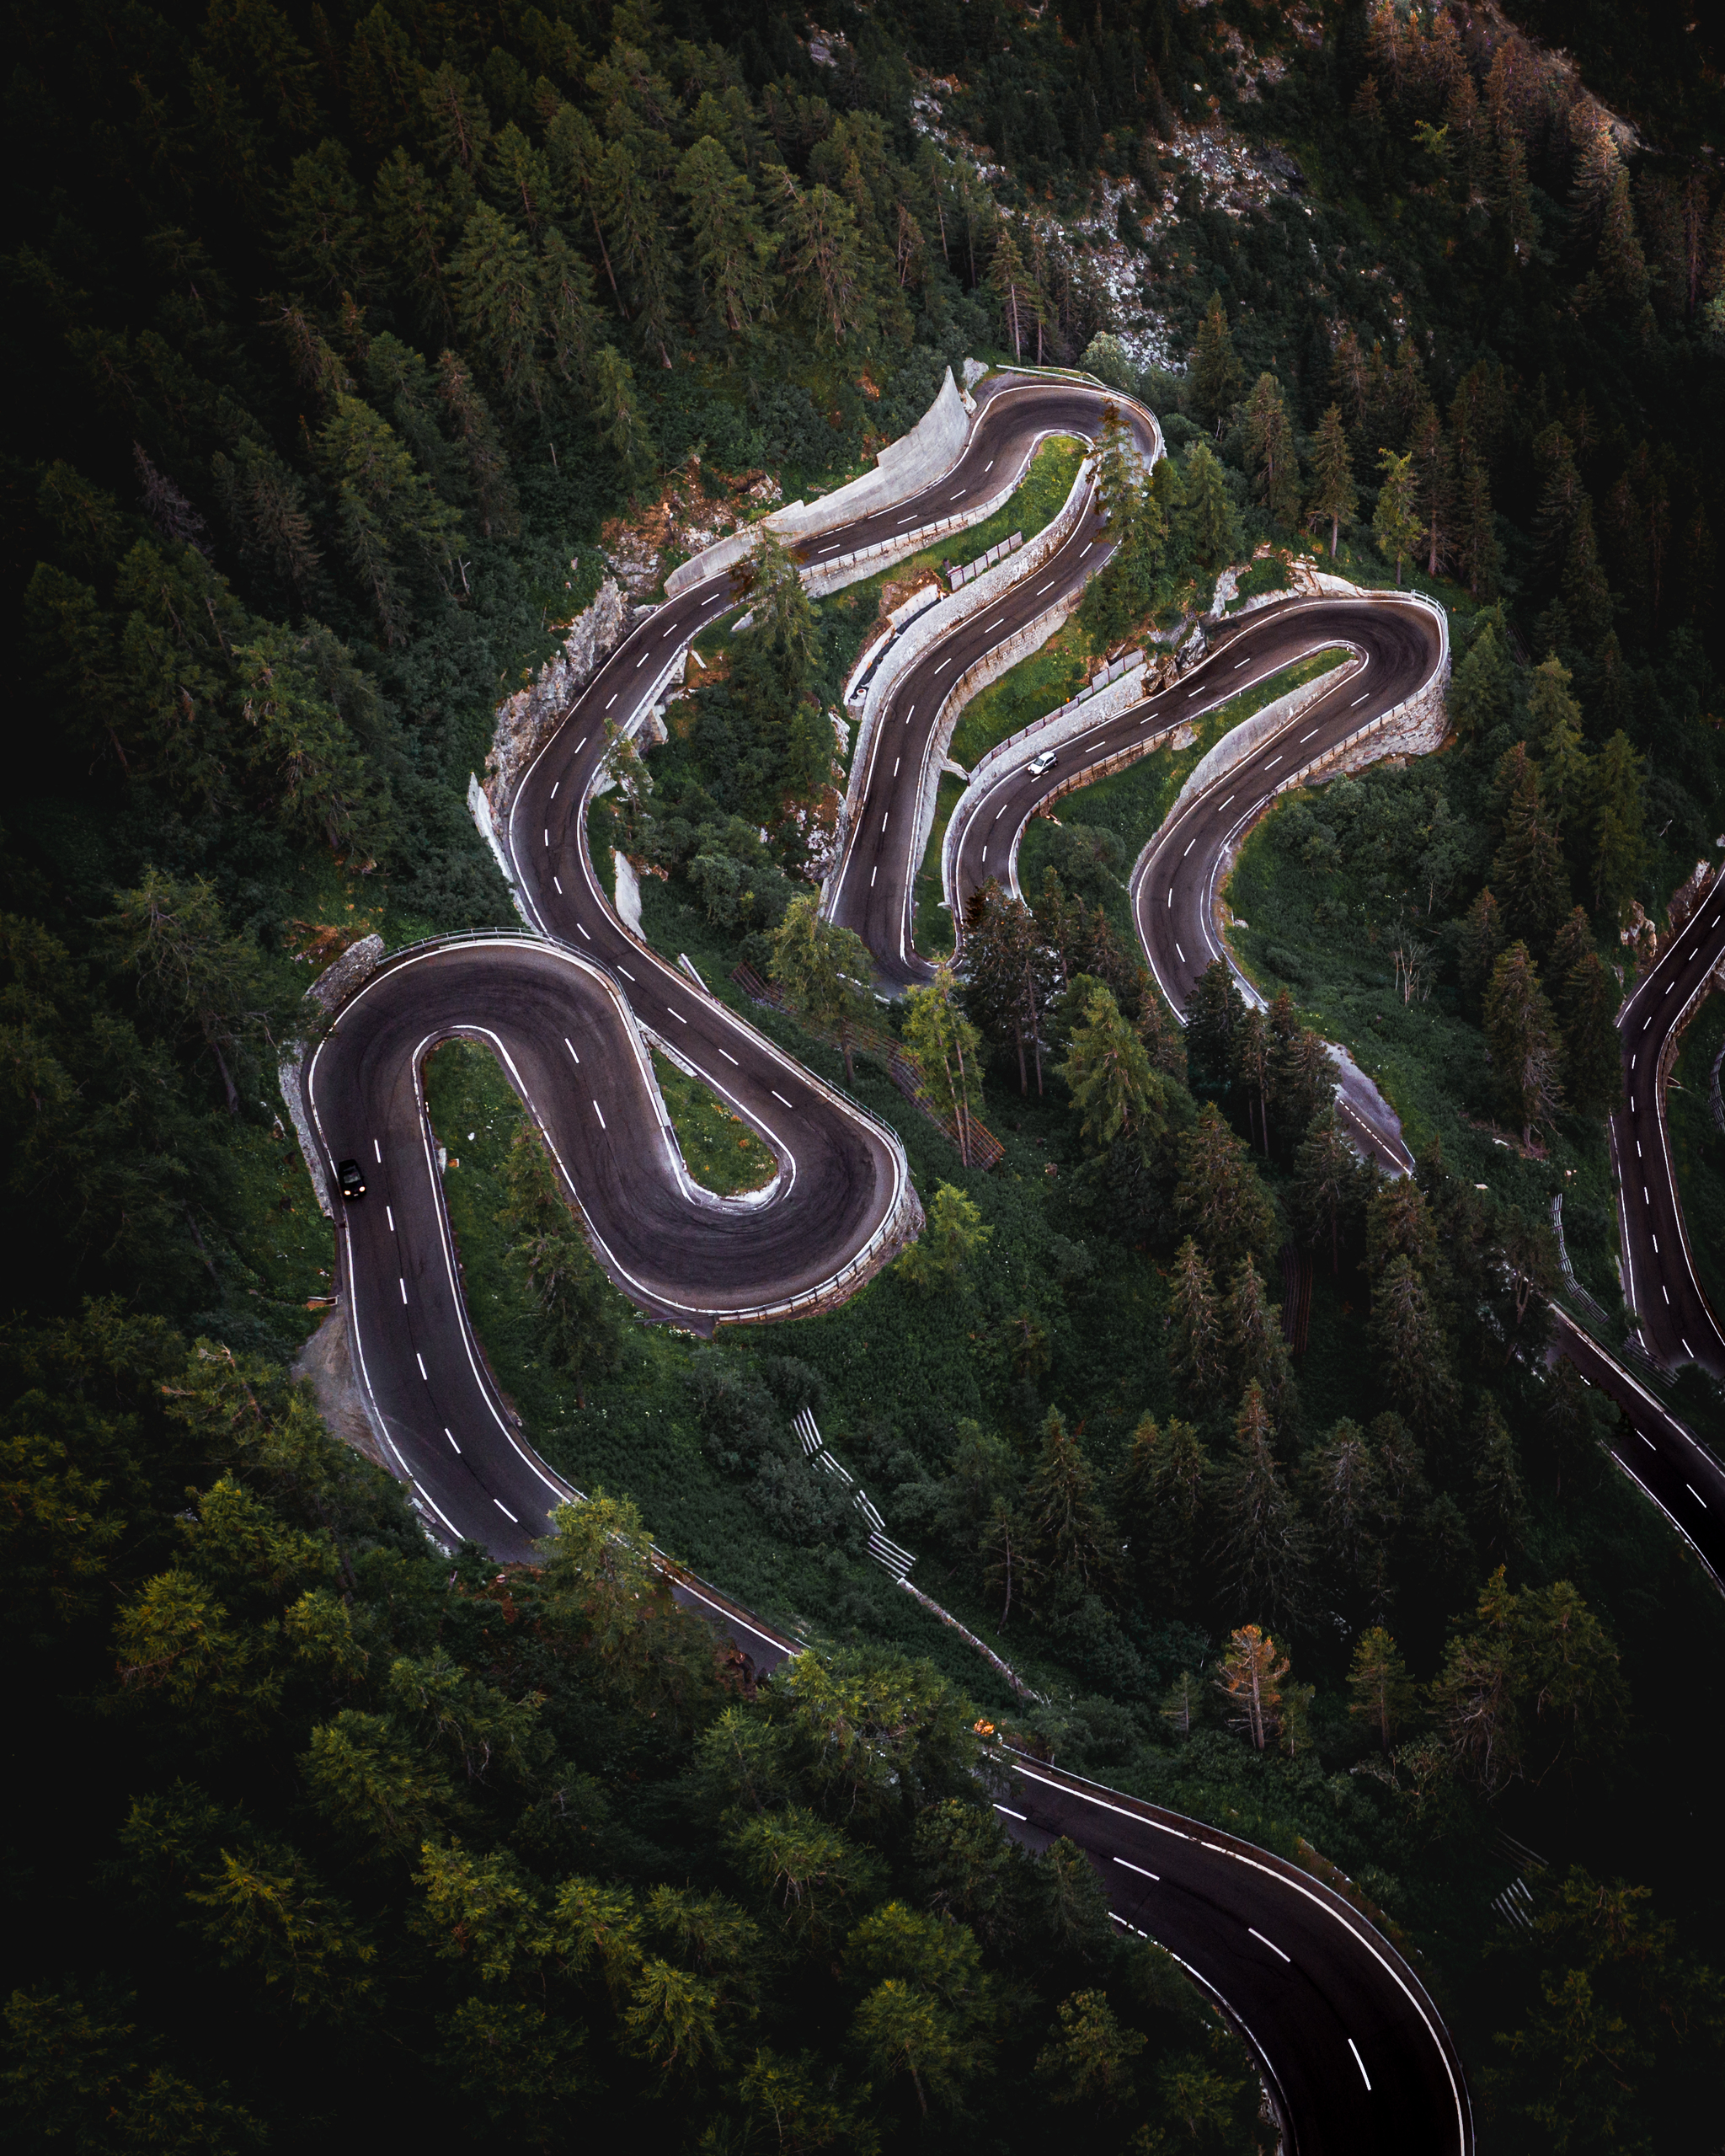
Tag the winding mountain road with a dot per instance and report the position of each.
(1355, 2054)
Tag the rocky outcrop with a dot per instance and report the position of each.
(527, 720)
(337, 982)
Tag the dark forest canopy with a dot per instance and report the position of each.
(337, 333)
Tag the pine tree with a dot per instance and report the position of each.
(1586, 998)
(822, 255)
(581, 1307)
(324, 241)
(1217, 376)
(1208, 524)
(1412, 1354)
(1158, 1501)
(1527, 870)
(386, 508)
(1112, 1086)
(570, 316)
(577, 157)
(1256, 1351)
(1554, 718)
(1070, 1542)
(1522, 1035)
(1340, 1481)
(1479, 551)
(1303, 1077)
(1482, 689)
(1261, 1547)
(1249, 1677)
(1011, 286)
(1219, 1198)
(487, 461)
(638, 248)
(1499, 1505)
(1434, 471)
(825, 971)
(414, 220)
(497, 303)
(1323, 1197)
(616, 415)
(1270, 454)
(1249, 1068)
(1612, 821)
(1481, 946)
(1215, 1009)
(1195, 1326)
(1395, 521)
(1622, 266)
(1008, 978)
(1383, 1692)
(458, 127)
(1334, 498)
(1399, 1224)
(944, 1041)
(729, 247)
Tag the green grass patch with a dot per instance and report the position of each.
(1133, 803)
(719, 1149)
(1033, 505)
(1025, 693)
(1698, 1147)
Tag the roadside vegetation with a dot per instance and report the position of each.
(350, 357)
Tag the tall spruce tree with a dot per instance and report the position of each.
(1334, 497)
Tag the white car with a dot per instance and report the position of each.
(1038, 764)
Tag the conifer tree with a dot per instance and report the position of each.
(1340, 1481)
(387, 511)
(1622, 266)
(1215, 1009)
(570, 317)
(1210, 524)
(581, 1307)
(1158, 1501)
(1333, 498)
(1008, 976)
(821, 252)
(1270, 454)
(825, 971)
(1195, 1326)
(1480, 553)
(1262, 1547)
(1434, 472)
(1011, 286)
(1255, 1349)
(1412, 1354)
(497, 303)
(1613, 820)
(944, 1041)
(730, 248)
(1383, 1693)
(638, 248)
(487, 461)
(1527, 871)
(577, 157)
(1217, 376)
(1395, 521)
(1326, 1179)
(1522, 1033)
(458, 127)
(322, 238)
(1112, 1086)
(1481, 945)
(1219, 1198)
(1482, 689)
(616, 415)
(1070, 1542)
(1499, 1505)
(1250, 1677)
(415, 222)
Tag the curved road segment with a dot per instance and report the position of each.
(1353, 2052)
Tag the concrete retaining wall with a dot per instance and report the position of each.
(527, 720)
(938, 622)
(904, 467)
(1239, 742)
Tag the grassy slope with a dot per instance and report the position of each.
(719, 1148)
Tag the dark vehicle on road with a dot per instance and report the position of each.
(352, 1177)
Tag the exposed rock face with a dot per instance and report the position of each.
(337, 981)
(527, 720)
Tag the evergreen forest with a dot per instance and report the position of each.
(357, 350)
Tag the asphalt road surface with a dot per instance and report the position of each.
(565, 1014)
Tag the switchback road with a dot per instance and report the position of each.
(1355, 2054)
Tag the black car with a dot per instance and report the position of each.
(351, 1178)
